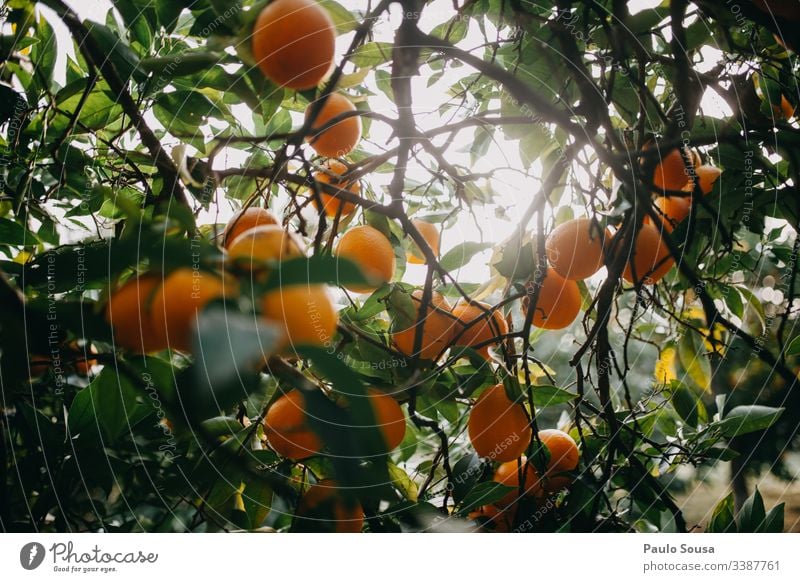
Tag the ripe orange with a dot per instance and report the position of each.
(331, 204)
(558, 302)
(564, 457)
(305, 315)
(177, 302)
(245, 220)
(389, 418)
(431, 235)
(286, 428)
(498, 428)
(262, 244)
(671, 210)
(437, 328)
(575, 248)
(483, 327)
(128, 313)
(784, 111)
(324, 507)
(509, 474)
(707, 176)
(649, 258)
(339, 139)
(671, 173)
(372, 252)
(294, 42)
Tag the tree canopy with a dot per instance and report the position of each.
(320, 265)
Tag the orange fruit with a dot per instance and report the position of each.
(304, 314)
(498, 428)
(286, 428)
(649, 258)
(564, 457)
(244, 220)
(672, 210)
(431, 235)
(558, 302)
(339, 139)
(575, 248)
(38, 366)
(475, 327)
(324, 507)
(784, 111)
(389, 418)
(372, 252)
(293, 43)
(509, 474)
(437, 328)
(257, 246)
(331, 204)
(671, 173)
(707, 176)
(128, 313)
(178, 301)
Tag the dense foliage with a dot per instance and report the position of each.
(127, 140)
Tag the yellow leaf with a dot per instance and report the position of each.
(665, 366)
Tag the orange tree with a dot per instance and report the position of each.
(166, 368)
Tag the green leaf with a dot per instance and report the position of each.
(752, 514)
(794, 347)
(257, 497)
(230, 348)
(773, 523)
(535, 141)
(344, 20)
(13, 233)
(44, 54)
(124, 58)
(461, 254)
(453, 30)
(316, 269)
(183, 112)
(348, 432)
(466, 473)
(111, 404)
(687, 404)
(11, 104)
(372, 54)
(722, 520)
(517, 260)
(544, 396)
(403, 482)
(691, 352)
(749, 418)
(100, 109)
(484, 493)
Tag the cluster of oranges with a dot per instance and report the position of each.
(499, 429)
(578, 248)
(293, 45)
(150, 313)
(469, 323)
